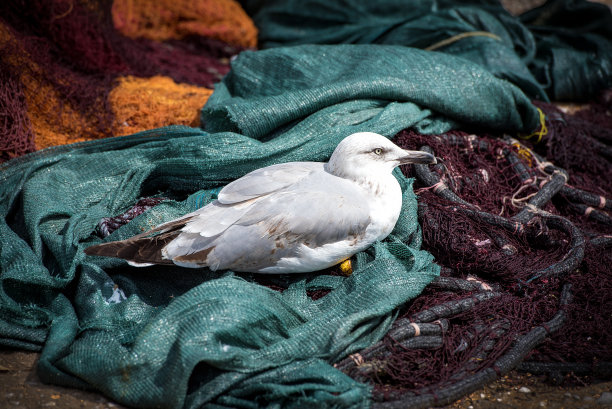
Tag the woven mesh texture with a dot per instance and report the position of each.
(228, 326)
(80, 79)
(155, 327)
(224, 20)
(170, 337)
(559, 51)
(433, 91)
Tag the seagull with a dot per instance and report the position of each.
(291, 217)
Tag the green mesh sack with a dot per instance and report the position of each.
(562, 50)
(573, 59)
(169, 337)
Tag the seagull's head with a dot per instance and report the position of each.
(366, 154)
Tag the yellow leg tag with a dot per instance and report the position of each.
(346, 267)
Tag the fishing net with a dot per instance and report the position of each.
(525, 266)
(81, 79)
(220, 338)
(559, 51)
(516, 216)
(223, 20)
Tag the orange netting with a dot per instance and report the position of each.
(49, 101)
(161, 20)
(145, 103)
(137, 104)
(55, 122)
(52, 120)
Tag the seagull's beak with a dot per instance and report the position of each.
(417, 157)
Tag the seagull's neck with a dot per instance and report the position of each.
(385, 203)
(378, 186)
(384, 198)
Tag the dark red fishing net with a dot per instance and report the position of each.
(13, 119)
(109, 224)
(525, 259)
(518, 226)
(70, 52)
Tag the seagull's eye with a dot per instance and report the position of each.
(378, 151)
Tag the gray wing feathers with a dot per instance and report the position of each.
(257, 233)
(215, 218)
(259, 219)
(266, 180)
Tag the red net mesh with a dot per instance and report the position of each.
(68, 57)
(501, 217)
(15, 128)
(60, 60)
(502, 222)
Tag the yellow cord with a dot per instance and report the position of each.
(461, 36)
(524, 153)
(543, 130)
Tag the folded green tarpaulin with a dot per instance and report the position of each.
(168, 337)
(560, 51)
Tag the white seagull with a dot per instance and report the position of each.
(288, 218)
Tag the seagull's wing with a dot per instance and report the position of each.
(239, 197)
(267, 180)
(316, 211)
(199, 228)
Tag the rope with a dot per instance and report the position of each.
(461, 36)
(543, 129)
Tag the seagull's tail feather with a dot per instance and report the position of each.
(142, 249)
(146, 250)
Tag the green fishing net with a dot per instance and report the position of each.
(168, 337)
(561, 50)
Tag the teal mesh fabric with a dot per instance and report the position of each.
(560, 51)
(169, 337)
(372, 85)
(574, 48)
(172, 337)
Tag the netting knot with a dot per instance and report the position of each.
(357, 358)
(602, 202)
(417, 329)
(483, 285)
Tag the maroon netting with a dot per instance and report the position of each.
(525, 249)
(73, 49)
(17, 137)
(108, 225)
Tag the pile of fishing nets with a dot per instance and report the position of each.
(87, 69)
(500, 259)
(524, 246)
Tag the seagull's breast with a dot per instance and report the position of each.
(385, 201)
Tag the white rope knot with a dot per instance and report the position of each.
(484, 285)
(602, 202)
(530, 181)
(417, 329)
(438, 186)
(357, 358)
(518, 227)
